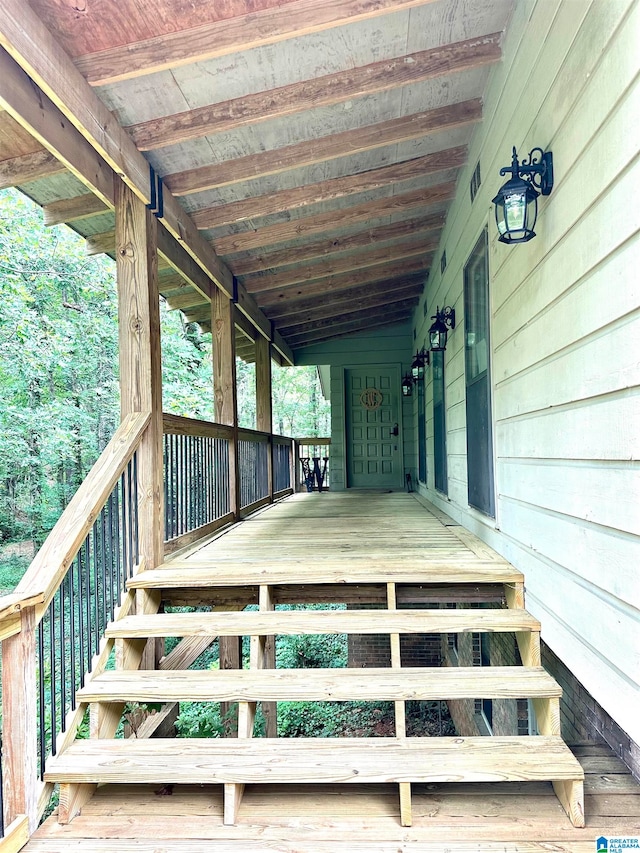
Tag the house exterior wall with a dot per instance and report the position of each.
(565, 338)
(389, 346)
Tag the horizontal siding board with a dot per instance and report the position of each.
(586, 370)
(605, 495)
(606, 430)
(618, 695)
(602, 297)
(603, 557)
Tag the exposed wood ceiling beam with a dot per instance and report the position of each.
(85, 117)
(361, 182)
(29, 167)
(343, 307)
(309, 340)
(99, 244)
(331, 220)
(329, 246)
(357, 323)
(40, 116)
(394, 270)
(279, 312)
(73, 209)
(221, 38)
(349, 316)
(324, 148)
(317, 92)
(416, 246)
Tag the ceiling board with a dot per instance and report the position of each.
(316, 144)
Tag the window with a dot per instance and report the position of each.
(422, 434)
(478, 380)
(439, 424)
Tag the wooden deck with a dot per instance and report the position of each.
(371, 544)
(462, 818)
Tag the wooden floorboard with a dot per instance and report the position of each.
(294, 685)
(460, 818)
(295, 622)
(340, 537)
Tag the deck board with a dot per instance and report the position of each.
(293, 622)
(295, 685)
(402, 541)
(308, 760)
(463, 818)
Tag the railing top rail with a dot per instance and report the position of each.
(282, 439)
(307, 440)
(46, 572)
(253, 435)
(178, 425)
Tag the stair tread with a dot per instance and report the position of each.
(291, 685)
(304, 760)
(221, 573)
(295, 622)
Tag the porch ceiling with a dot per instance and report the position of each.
(315, 144)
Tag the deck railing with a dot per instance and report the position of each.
(52, 626)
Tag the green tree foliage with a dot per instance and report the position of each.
(59, 394)
(58, 356)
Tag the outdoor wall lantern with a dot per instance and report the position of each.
(444, 320)
(418, 364)
(517, 200)
(407, 385)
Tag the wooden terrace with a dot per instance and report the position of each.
(382, 794)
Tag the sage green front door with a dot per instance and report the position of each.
(374, 449)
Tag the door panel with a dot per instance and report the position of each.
(374, 453)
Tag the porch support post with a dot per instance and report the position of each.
(20, 720)
(264, 405)
(140, 358)
(223, 336)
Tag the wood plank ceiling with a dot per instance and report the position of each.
(315, 143)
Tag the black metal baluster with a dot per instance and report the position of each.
(72, 626)
(52, 673)
(63, 656)
(81, 614)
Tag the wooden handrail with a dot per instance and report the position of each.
(306, 441)
(178, 425)
(44, 575)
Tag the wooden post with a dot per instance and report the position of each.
(224, 384)
(264, 405)
(400, 711)
(140, 358)
(230, 657)
(19, 723)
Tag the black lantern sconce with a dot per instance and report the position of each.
(444, 320)
(421, 359)
(407, 385)
(517, 200)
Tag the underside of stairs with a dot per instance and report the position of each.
(359, 549)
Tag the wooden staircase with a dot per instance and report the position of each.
(225, 576)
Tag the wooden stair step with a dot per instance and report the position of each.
(296, 685)
(315, 760)
(297, 622)
(220, 573)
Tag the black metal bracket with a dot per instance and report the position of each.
(537, 168)
(234, 295)
(156, 202)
